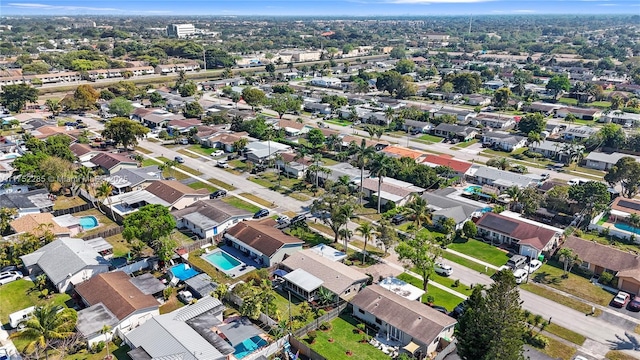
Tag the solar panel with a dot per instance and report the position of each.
(629, 205)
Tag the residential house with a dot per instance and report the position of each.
(623, 208)
(599, 258)
(543, 108)
(225, 140)
(37, 224)
(444, 207)
(402, 288)
(27, 201)
(422, 330)
(552, 130)
(132, 179)
(292, 128)
(308, 271)
(260, 151)
(182, 126)
(201, 285)
(112, 299)
(604, 161)
(175, 193)
(498, 122)
(580, 113)
(344, 169)
(188, 333)
(527, 237)
(622, 118)
(293, 166)
(493, 84)
(415, 125)
(501, 179)
(317, 108)
(400, 152)
(552, 150)
(458, 167)
(578, 133)
(209, 218)
(329, 252)
(175, 68)
(478, 100)
(326, 82)
(391, 190)
(66, 262)
(503, 140)
(463, 116)
(83, 152)
(452, 131)
(261, 241)
(111, 163)
(219, 84)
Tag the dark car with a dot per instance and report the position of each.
(258, 169)
(441, 309)
(298, 218)
(634, 304)
(398, 219)
(261, 213)
(218, 193)
(9, 268)
(459, 310)
(179, 159)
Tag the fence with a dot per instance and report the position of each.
(313, 325)
(446, 351)
(136, 266)
(72, 210)
(105, 233)
(269, 350)
(198, 244)
(304, 349)
(263, 318)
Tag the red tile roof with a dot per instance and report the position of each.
(446, 160)
(527, 234)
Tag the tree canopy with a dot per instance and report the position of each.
(124, 131)
(625, 172)
(532, 123)
(15, 97)
(120, 107)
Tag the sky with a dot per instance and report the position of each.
(317, 8)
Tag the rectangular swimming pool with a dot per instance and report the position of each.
(222, 260)
(248, 346)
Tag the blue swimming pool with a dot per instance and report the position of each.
(222, 260)
(183, 271)
(88, 222)
(475, 190)
(248, 346)
(627, 227)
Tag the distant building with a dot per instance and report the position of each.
(181, 30)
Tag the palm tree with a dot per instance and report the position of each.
(420, 212)
(169, 165)
(48, 323)
(366, 231)
(84, 175)
(106, 329)
(300, 154)
(567, 256)
(381, 166)
(363, 153)
(371, 130)
(333, 142)
(103, 191)
(389, 114)
(634, 220)
(386, 234)
(345, 234)
(515, 194)
(54, 106)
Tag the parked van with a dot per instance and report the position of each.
(19, 316)
(516, 262)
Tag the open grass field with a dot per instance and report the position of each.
(481, 251)
(21, 294)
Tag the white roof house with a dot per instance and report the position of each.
(402, 288)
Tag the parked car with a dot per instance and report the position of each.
(261, 213)
(621, 299)
(634, 304)
(184, 141)
(517, 262)
(459, 310)
(9, 268)
(533, 266)
(217, 153)
(520, 275)
(222, 164)
(218, 193)
(9, 276)
(178, 159)
(443, 269)
(282, 219)
(258, 169)
(185, 296)
(441, 309)
(398, 219)
(298, 218)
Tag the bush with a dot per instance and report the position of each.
(312, 335)
(456, 283)
(606, 278)
(325, 326)
(538, 341)
(98, 347)
(430, 299)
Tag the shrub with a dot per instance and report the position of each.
(361, 327)
(456, 283)
(538, 341)
(325, 326)
(312, 335)
(606, 278)
(98, 347)
(430, 299)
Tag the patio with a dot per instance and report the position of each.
(385, 344)
(251, 264)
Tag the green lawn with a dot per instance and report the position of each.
(150, 162)
(481, 251)
(441, 297)
(200, 185)
(467, 143)
(202, 150)
(311, 238)
(189, 154)
(467, 263)
(448, 282)
(558, 350)
(221, 184)
(345, 338)
(120, 245)
(258, 200)
(66, 202)
(340, 122)
(568, 101)
(119, 353)
(328, 162)
(240, 204)
(182, 167)
(600, 104)
(21, 294)
(431, 138)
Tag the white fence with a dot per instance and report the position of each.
(269, 350)
(136, 266)
(613, 231)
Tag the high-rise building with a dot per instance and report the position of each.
(180, 30)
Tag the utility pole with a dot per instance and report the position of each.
(204, 57)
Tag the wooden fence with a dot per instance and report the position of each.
(314, 324)
(273, 348)
(304, 349)
(198, 244)
(72, 210)
(105, 233)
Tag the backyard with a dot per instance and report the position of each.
(481, 251)
(104, 223)
(67, 202)
(345, 337)
(21, 294)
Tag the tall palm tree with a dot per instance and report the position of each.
(333, 142)
(106, 329)
(169, 165)
(514, 193)
(371, 130)
(103, 191)
(366, 231)
(345, 234)
(363, 153)
(301, 152)
(381, 166)
(47, 324)
(389, 114)
(85, 177)
(279, 160)
(419, 211)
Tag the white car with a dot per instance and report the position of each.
(283, 219)
(217, 153)
(9, 276)
(443, 269)
(520, 275)
(533, 266)
(222, 164)
(185, 296)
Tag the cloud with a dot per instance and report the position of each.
(57, 7)
(524, 11)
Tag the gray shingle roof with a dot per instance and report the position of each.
(63, 257)
(32, 199)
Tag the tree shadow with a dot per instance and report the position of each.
(628, 342)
